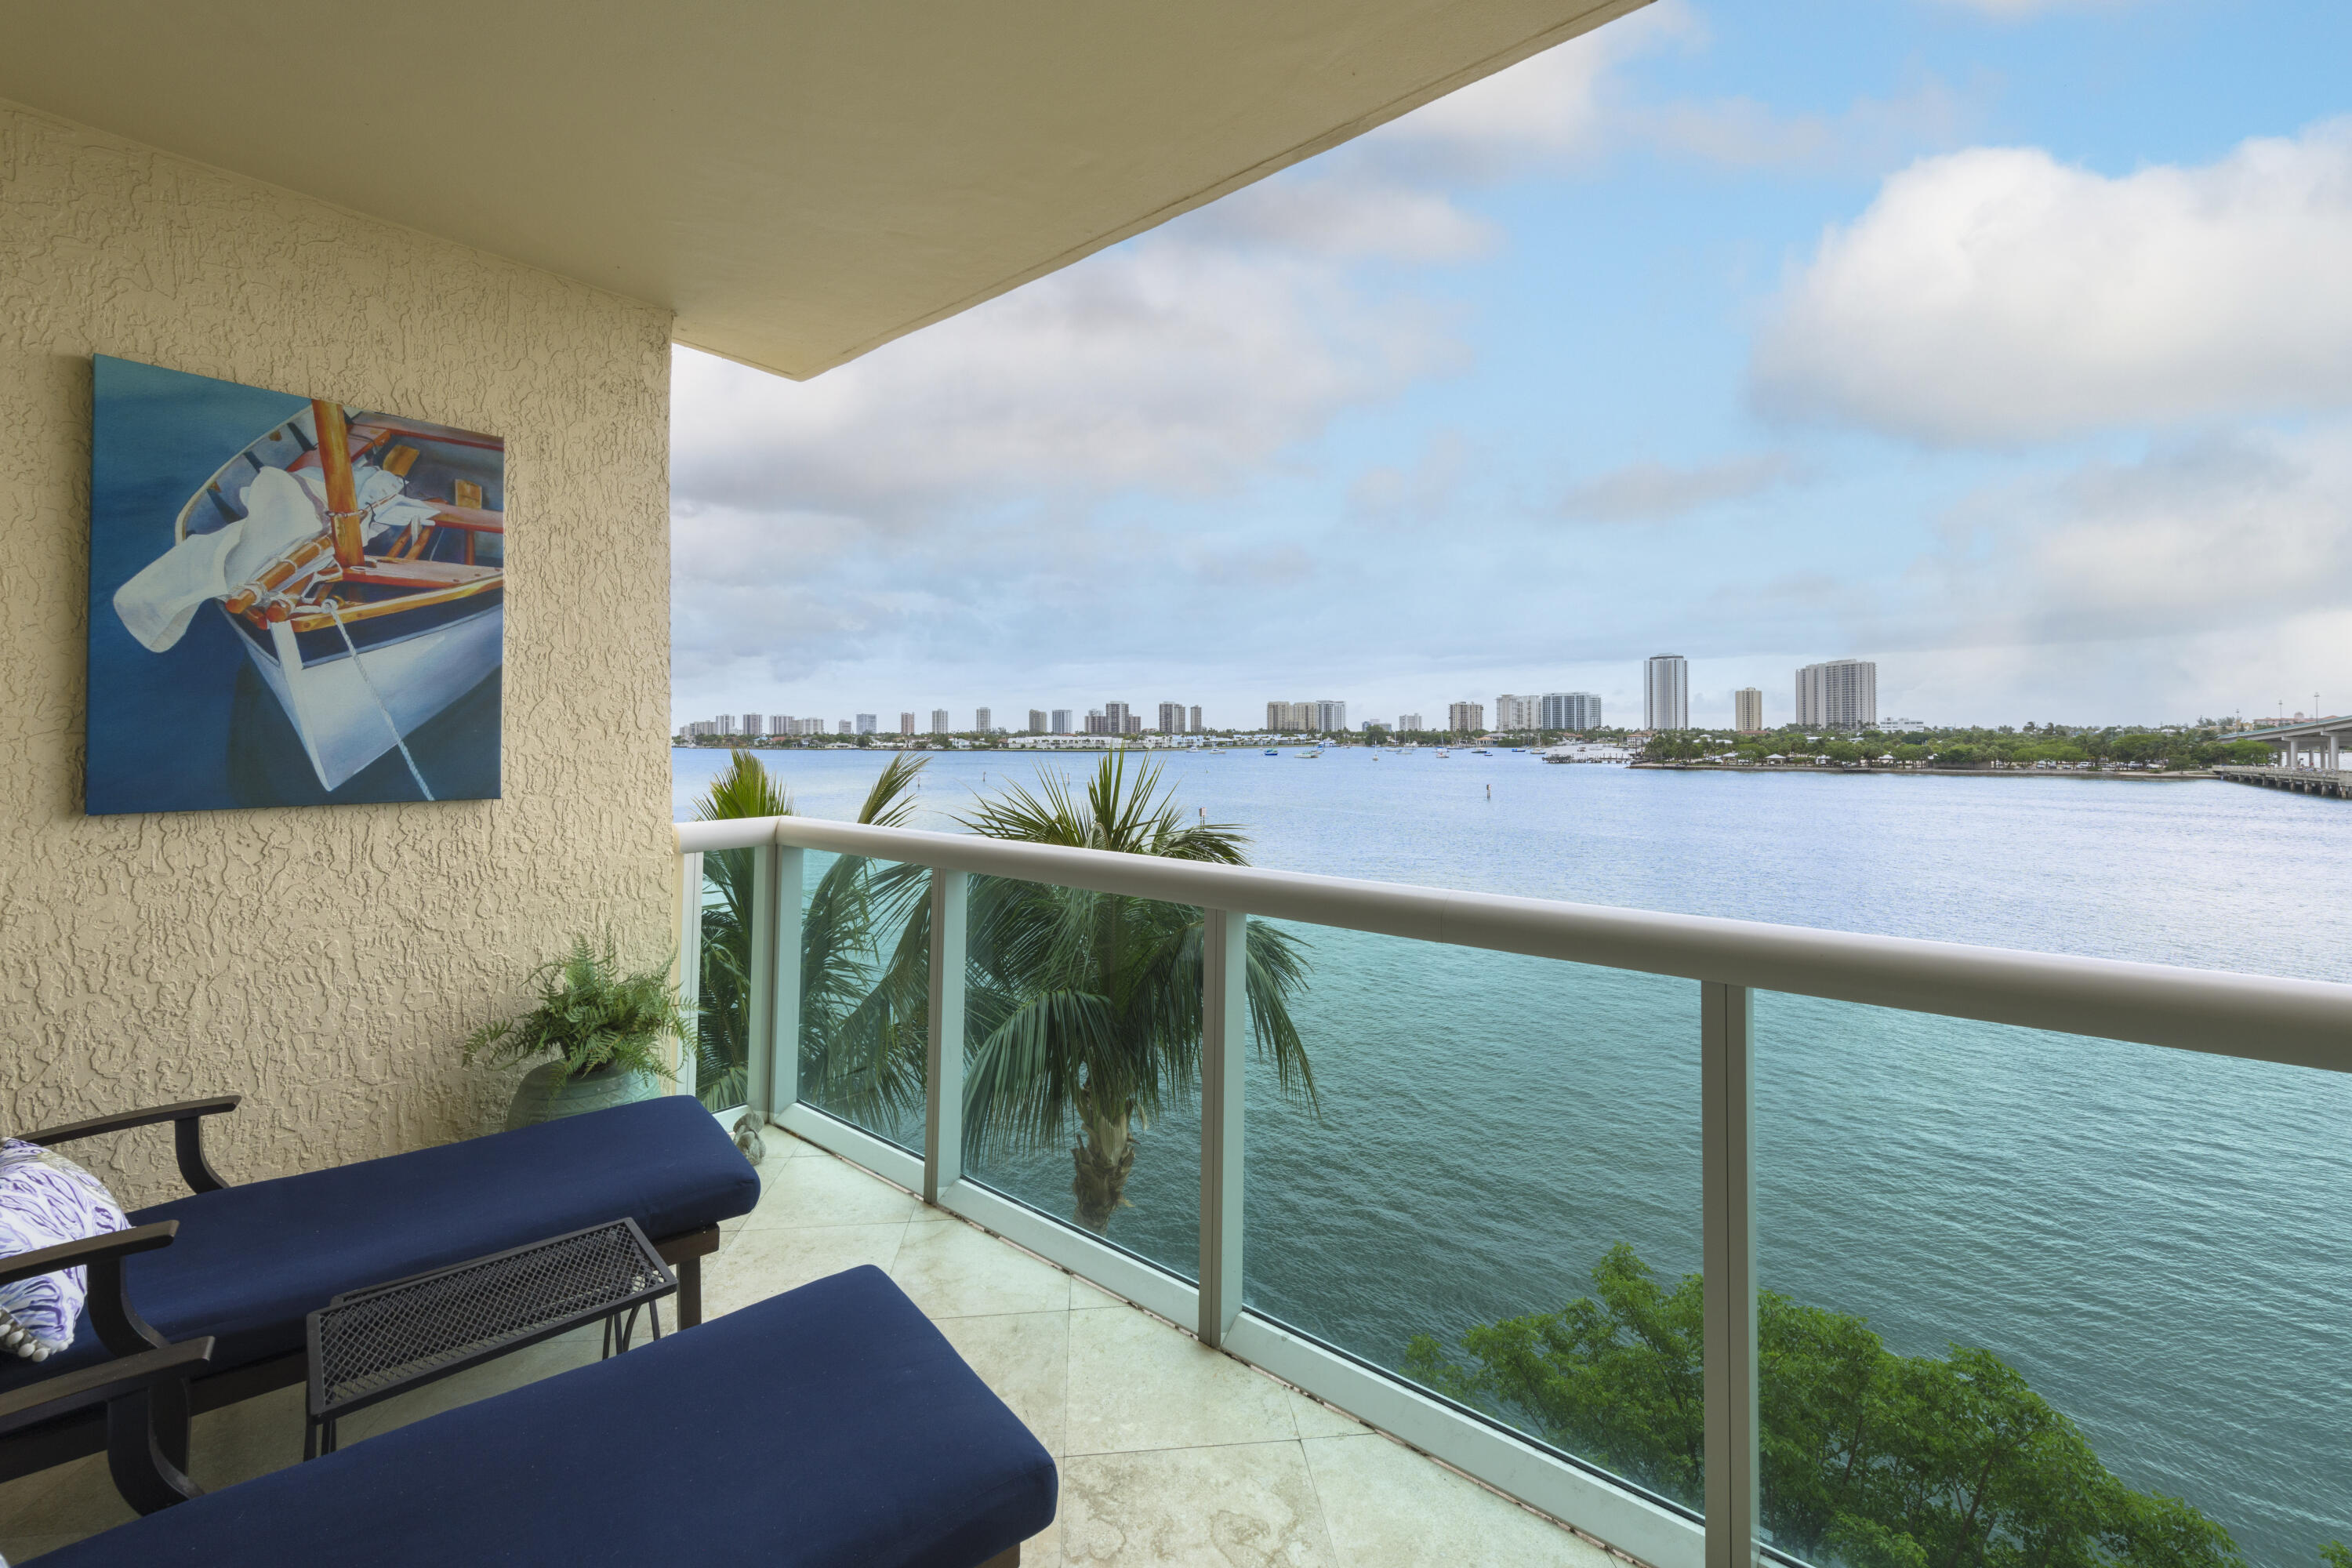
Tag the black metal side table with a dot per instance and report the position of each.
(368, 1345)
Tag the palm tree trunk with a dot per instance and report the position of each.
(1104, 1157)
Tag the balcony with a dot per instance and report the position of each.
(1168, 1452)
(1264, 1275)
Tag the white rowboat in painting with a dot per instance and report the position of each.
(361, 560)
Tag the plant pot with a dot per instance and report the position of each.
(544, 1095)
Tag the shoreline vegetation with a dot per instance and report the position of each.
(1084, 1020)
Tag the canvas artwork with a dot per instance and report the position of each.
(291, 602)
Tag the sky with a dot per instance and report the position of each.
(2005, 343)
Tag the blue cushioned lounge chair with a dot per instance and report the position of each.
(242, 1265)
(830, 1427)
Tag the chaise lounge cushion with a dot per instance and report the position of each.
(828, 1427)
(250, 1261)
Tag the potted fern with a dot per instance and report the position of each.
(603, 1026)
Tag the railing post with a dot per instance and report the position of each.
(944, 1060)
(1726, 1130)
(1224, 1046)
(781, 1046)
(689, 960)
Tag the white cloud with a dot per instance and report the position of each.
(1998, 296)
(1655, 493)
(1167, 365)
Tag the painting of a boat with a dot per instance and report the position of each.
(359, 560)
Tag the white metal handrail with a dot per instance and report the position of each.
(2297, 1022)
(2301, 1023)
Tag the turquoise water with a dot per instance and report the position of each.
(2161, 1241)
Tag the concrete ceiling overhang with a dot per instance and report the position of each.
(799, 182)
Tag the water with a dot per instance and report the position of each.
(2160, 1241)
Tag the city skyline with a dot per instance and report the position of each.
(1525, 344)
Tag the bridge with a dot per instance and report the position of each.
(2308, 756)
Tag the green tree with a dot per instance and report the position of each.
(849, 913)
(1083, 1009)
(1870, 1458)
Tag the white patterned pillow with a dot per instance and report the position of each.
(47, 1200)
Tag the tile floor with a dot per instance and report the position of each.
(1169, 1453)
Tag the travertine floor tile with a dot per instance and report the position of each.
(959, 1272)
(1026, 1359)
(762, 1263)
(827, 1192)
(1246, 1506)
(1317, 1420)
(1388, 1507)
(1135, 1382)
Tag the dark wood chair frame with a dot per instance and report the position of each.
(138, 1406)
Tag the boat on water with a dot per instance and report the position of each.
(359, 558)
(1444, 752)
(1312, 752)
(1274, 750)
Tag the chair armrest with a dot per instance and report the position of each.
(112, 1244)
(187, 1133)
(70, 1391)
(146, 1400)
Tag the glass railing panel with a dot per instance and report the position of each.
(2033, 1297)
(1082, 1064)
(1494, 1190)
(865, 970)
(722, 1033)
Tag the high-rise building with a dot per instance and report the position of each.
(905, 724)
(1665, 692)
(1115, 717)
(1840, 694)
(938, 721)
(866, 724)
(1192, 725)
(813, 726)
(1061, 722)
(1130, 723)
(1513, 714)
(725, 723)
(1172, 717)
(1037, 722)
(1568, 711)
(1094, 725)
(1409, 722)
(1280, 717)
(779, 724)
(843, 724)
(1330, 717)
(1748, 710)
(983, 719)
(1465, 718)
(750, 724)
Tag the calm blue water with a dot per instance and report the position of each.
(2161, 1241)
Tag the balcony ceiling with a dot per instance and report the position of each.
(799, 181)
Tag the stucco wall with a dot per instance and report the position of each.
(323, 961)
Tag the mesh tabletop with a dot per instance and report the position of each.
(368, 1343)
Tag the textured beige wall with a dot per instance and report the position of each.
(322, 962)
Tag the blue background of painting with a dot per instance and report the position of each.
(195, 727)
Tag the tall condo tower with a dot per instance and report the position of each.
(1665, 692)
(1465, 718)
(1037, 722)
(1195, 724)
(938, 721)
(1841, 694)
(1748, 710)
(982, 720)
(1172, 717)
(1062, 722)
(1568, 711)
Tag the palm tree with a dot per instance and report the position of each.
(1083, 1009)
(851, 912)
